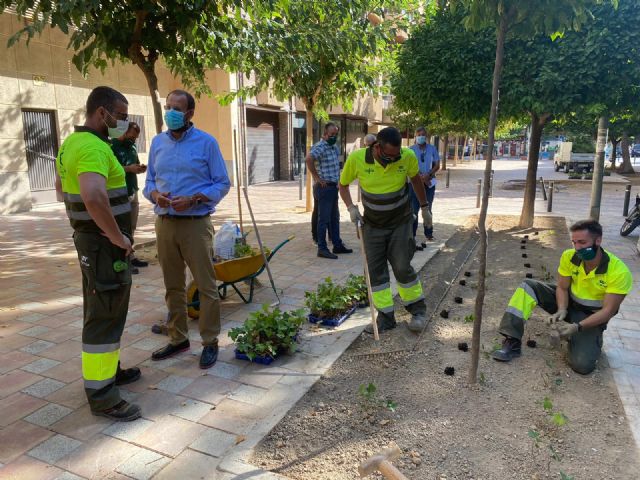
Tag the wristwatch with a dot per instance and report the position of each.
(196, 200)
(579, 327)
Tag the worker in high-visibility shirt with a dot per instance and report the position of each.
(591, 285)
(382, 170)
(92, 183)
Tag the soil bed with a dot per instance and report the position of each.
(446, 428)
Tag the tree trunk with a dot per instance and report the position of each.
(146, 63)
(528, 207)
(309, 125)
(626, 166)
(147, 66)
(445, 152)
(152, 82)
(598, 169)
(455, 151)
(482, 254)
(475, 148)
(614, 154)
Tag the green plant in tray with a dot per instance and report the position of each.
(268, 332)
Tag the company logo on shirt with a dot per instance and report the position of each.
(602, 283)
(369, 171)
(401, 168)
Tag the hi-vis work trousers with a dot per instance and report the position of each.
(106, 301)
(584, 347)
(397, 246)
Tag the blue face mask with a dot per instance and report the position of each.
(587, 253)
(421, 139)
(174, 119)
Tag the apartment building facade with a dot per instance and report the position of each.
(43, 97)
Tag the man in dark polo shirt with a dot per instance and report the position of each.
(124, 148)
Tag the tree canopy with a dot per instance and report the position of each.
(191, 36)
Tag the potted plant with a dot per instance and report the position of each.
(330, 304)
(356, 288)
(266, 334)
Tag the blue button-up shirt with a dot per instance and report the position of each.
(427, 158)
(192, 164)
(327, 160)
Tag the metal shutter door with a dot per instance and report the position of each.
(261, 153)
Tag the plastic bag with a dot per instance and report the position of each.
(225, 240)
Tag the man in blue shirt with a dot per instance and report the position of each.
(429, 164)
(324, 165)
(186, 179)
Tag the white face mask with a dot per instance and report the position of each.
(120, 129)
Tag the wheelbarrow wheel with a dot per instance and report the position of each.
(193, 300)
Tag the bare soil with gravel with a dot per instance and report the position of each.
(447, 428)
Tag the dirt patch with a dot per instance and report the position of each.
(446, 428)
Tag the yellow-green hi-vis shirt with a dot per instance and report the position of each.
(588, 289)
(85, 151)
(385, 193)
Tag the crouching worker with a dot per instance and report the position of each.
(592, 283)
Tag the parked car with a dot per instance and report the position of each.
(635, 150)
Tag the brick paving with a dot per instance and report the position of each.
(203, 424)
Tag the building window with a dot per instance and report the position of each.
(141, 142)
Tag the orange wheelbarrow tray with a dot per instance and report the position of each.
(231, 272)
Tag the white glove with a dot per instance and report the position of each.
(566, 330)
(354, 213)
(557, 317)
(427, 218)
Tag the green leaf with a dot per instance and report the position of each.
(559, 419)
(547, 404)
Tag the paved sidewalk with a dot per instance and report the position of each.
(203, 424)
(195, 424)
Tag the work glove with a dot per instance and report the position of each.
(566, 330)
(558, 317)
(354, 213)
(427, 218)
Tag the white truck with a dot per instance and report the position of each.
(566, 160)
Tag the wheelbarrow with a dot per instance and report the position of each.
(230, 273)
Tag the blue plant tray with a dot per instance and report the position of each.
(332, 322)
(263, 360)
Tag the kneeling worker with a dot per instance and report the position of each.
(382, 170)
(592, 283)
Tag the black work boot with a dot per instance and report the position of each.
(511, 348)
(127, 375)
(385, 322)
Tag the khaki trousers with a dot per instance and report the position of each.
(188, 241)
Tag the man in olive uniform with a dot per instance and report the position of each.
(592, 283)
(93, 186)
(124, 148)
(382, 171)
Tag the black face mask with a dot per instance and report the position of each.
(387, 159)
